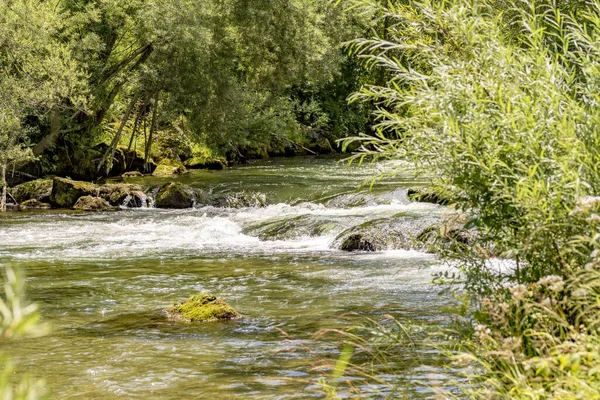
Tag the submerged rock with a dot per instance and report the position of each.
(175, 195)
(237, 199)
(89, 203)
(202, 308)
(400, 232)
(39, 189)
(34, 204)
(66, 192)
(358, 241)
(291, 227)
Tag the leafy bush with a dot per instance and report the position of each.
(498, 101)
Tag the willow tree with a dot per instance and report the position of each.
(36, 74)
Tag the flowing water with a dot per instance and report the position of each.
(102, 280)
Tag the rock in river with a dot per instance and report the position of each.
(89, 203)
(39, 189)
(202, 308)
(66, 192)
(175, 195)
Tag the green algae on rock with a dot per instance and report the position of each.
(202, 308)
(39, 189)
(66, 192)
(175, 195)
(169, 167)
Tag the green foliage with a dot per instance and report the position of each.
(18, 319)
(242, 75)
(499, 102)
(540, 342)
(502, 114)
(36, 71)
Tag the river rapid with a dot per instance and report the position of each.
(102, 279)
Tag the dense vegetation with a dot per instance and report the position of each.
(85, 80)
(498, 102)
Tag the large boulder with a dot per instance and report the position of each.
(205, 163)
(121, 194)
(90, 203)
(66, 192)
(322, 146)
(169, 167)
(202, 308)
(39, 189)
(174, 195)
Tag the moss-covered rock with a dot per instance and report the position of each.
(446, 235)
(322, 146)
(169, 167)
(39, 189)
(200, 162)
(90, 203)
(33, 204)
(132, 174)
(66, 192)
(175, 195)
(202, 308)
(121, 194)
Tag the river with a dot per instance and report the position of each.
(101, 280)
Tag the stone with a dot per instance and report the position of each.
(357, 242)
(90, 203)
(132, 174)
(33, 204)
(202, 308)
(117, 194)
(39, 189)
(174, 195)
(204, 163)
(394, 233)
(322, 146)
(169, 167)
(66, 192)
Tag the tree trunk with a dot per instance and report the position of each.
(4, 189)
(152, 127)
(110, 152)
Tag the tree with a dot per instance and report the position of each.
(37, 73)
